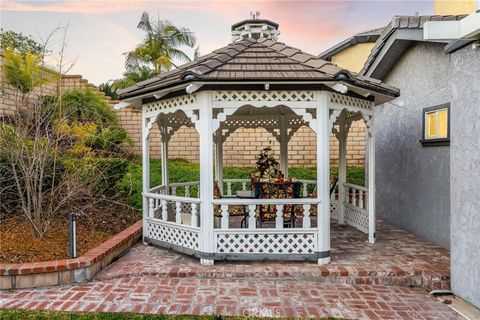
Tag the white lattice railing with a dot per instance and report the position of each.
(266, 241)
(251, 206)
(307, 187)
(245, 184)
(231, 184)
(187, 189)
(356, 212)
(273, 240)
(171, 233)
(334, 205)
(161, 189)
(178, 210)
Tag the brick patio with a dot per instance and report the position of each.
(397, 258)
(370, 283)
(235, 297)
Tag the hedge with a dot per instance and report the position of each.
(180, 170)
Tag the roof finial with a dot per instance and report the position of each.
(255, 14)
(255, 28)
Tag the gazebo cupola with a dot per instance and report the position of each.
(255, 28)
(255, 82)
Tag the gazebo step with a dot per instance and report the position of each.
(176, 268)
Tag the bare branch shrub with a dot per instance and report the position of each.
(34, 179)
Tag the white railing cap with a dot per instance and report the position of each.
(171, 198)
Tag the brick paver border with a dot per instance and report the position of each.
(57, 272)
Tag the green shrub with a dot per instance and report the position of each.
(85, 105)
(109, 139)
(105, 172)
(180, 170)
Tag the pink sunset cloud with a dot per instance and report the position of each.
(102, 30)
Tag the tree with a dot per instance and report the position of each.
(24, 72)
(108, 89)
(130, 77)
(134, 75)
(20, 43)
(162, 44)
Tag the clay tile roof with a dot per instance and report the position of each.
(255, 60)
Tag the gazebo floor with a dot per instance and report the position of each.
(397, 258)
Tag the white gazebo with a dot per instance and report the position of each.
(254, 82)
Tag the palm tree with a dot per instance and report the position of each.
(24, 72)
(133, 75)
(162, 45)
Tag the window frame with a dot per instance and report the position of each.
(426, 142)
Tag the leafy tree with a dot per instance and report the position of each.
(20, 43)
(24, 72)
(130, 77)
(162, 44)
(134, 75)
(108, 89)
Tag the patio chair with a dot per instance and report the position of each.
(233, 210)
(280, 189)
(313, 194)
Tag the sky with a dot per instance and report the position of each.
(100, 31)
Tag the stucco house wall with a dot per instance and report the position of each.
(465, 174)
(354, 57)
(412, 181)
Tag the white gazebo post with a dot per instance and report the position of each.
(284, 144)
(219, 158)
(342, 136)
(323, 185)
(205, 130)
(146, 126)
(371, 180)
(164, 139)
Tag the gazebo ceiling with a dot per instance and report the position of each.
(257, 60)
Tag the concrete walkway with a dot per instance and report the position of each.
(362, 282)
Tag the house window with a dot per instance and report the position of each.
(436, 126)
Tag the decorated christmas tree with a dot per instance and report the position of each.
(267, 166)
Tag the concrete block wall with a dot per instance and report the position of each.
(240, 149)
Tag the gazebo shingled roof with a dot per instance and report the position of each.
(256, 60)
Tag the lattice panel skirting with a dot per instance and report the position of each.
(333, 209)
(350, 101)
(356, 218)
(263, 96)
(265, 243)
(174, 235)
(176, 102)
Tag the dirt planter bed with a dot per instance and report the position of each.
(57, 272)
